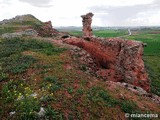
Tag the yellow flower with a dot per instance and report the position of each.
(34, 97)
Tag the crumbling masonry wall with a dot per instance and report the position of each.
(120, 60)
(46, 30)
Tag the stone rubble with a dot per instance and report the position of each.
(41, 113)
(27, 32)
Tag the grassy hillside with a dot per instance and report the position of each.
(19, 23)
(34, 75)
(37, 74)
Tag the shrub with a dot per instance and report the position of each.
(50, 113)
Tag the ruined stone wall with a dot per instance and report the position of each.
(87, 20)
(46, 30)
(119, 60)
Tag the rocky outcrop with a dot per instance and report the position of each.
(87, 20)
(117, 59)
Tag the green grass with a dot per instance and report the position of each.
(13, 61)
(14, 65)
(97, 95)
(103, 33)
(152, 64)
(53, 114)
(19, 64)
(110, 33)
(76, 33)
(16, 95)
(8, 29)
(152, 40)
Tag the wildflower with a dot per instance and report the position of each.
(35, 97)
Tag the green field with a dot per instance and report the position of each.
(103, 33)
(110, 33)
(151, 52)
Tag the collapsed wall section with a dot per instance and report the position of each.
(46, 30)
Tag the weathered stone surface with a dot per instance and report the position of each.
(87, 20)
(27, 32)
(120, 60)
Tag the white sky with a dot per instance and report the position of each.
(68, 12)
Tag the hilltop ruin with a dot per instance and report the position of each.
(116, 59)
(112, 59)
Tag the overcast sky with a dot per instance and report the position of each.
(68, 12)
